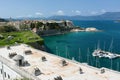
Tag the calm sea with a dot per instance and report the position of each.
(80, 45)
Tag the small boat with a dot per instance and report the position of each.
(107, 54)
(101, 53)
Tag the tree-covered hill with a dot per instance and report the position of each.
(3, 20)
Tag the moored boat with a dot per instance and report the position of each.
(101, 53)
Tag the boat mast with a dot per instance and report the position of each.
(104, 46)
(111, 46)
(88, 56)
(66, 51)
(79, 55)
(110, 49)
(111, 63)
(68, 55)
(118, 66)
(98, 46)
(57, 50)
(96, 62)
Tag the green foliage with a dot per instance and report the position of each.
(3, 20)
(32, 25)
(24, 27)
(36, 25)
(65, 23)
(47, 26)
(8, 28)
(53, 25)
(2, 29)
(20, 37)
(39, 24)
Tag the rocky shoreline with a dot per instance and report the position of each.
(90, 29)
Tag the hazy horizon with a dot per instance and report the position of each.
(46, 8)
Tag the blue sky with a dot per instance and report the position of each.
(45, 8)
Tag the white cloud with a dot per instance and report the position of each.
(29, 15)
(103, 11)
(98, 12)
(94, 12)
(72, 10)
(38, 14)
(78, 12)
(19, 16)
(60, 12)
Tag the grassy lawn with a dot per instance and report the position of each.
(20, 37)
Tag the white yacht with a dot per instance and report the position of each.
(100, 53)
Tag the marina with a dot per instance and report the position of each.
(85, 40)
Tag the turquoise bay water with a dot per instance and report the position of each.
(80, 45)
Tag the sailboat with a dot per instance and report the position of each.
(106, 54)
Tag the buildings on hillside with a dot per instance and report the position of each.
(28, 23)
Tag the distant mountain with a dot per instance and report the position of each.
(29, 18)
(105, 16)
